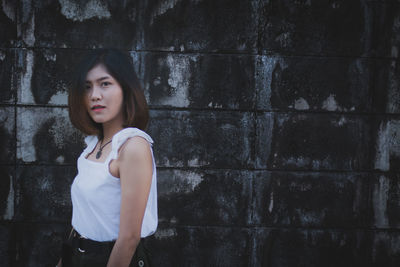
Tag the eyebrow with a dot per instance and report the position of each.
(100, 79)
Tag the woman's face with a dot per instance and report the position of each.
(103, 97)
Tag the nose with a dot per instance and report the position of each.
(95, 93)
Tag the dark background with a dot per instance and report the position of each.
(276, 126)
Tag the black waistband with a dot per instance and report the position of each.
(84, 244)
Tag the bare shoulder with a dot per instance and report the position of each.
(135, 148)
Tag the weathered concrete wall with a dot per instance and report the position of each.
(276, 126)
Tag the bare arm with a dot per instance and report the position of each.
(135, 169)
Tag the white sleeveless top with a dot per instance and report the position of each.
(96, 194)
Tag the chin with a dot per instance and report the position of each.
(99, 120)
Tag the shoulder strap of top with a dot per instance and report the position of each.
(120, 138)
(90, 142)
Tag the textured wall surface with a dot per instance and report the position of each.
(276, 126)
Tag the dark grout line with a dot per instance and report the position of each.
(244, 169)
(217, 53)
(167, 225)
(245, 110)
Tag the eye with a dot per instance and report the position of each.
(105, 84)
(87, 87)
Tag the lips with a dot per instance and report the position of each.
(97, 107)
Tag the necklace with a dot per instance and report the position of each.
(98, 154)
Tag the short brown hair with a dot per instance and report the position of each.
(119, 65)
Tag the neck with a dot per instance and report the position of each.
(109, 131)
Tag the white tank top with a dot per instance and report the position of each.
(96, 194)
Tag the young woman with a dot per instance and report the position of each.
(114, 195)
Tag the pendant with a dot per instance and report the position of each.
(98, 154)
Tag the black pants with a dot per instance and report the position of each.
(78, 252)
